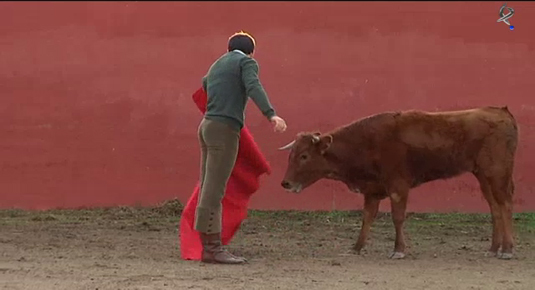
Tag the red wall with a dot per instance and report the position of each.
(96, 105)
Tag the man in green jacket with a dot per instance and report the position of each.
(230, 81)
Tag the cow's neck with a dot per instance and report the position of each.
(344, 176)
(337, 169)
(345, 157)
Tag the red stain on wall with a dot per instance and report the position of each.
(96, 105)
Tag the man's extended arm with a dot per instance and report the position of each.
(254, 88)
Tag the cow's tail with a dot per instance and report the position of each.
(511, 143)
(506, 110)
(512, 132)
(512, 118)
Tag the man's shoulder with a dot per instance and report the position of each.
(248, 61)
(234, 55)
(229, 58)
(227, 65)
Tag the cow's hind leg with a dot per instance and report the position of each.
(495, 165)
(496, 213)
(398, 199)
(371, 207)
(502, 189)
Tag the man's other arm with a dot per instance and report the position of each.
(254, 88)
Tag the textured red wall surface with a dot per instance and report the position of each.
(96, 105)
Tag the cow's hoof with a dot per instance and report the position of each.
(505, 256)
(396, 255)
(357, 248)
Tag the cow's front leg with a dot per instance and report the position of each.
(371, 207)
(398, 199)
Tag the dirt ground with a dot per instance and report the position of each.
(126, 248)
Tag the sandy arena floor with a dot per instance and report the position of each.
(128, 248)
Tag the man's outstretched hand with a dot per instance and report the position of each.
(279, 125)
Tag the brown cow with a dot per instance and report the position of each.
(387, 154)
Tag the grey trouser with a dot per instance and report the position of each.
(219, 148)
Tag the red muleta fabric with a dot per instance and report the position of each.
(243, 182)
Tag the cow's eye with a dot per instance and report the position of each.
(303, 157)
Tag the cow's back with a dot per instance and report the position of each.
(438, 145)
(443, 129)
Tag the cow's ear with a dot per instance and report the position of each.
(325, 143)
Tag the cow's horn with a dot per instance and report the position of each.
(287, 146)
(315, 139)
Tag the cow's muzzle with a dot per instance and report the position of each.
(291, 187)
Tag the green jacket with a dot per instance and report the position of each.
(229, 82)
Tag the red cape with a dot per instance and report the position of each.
(243, 182)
